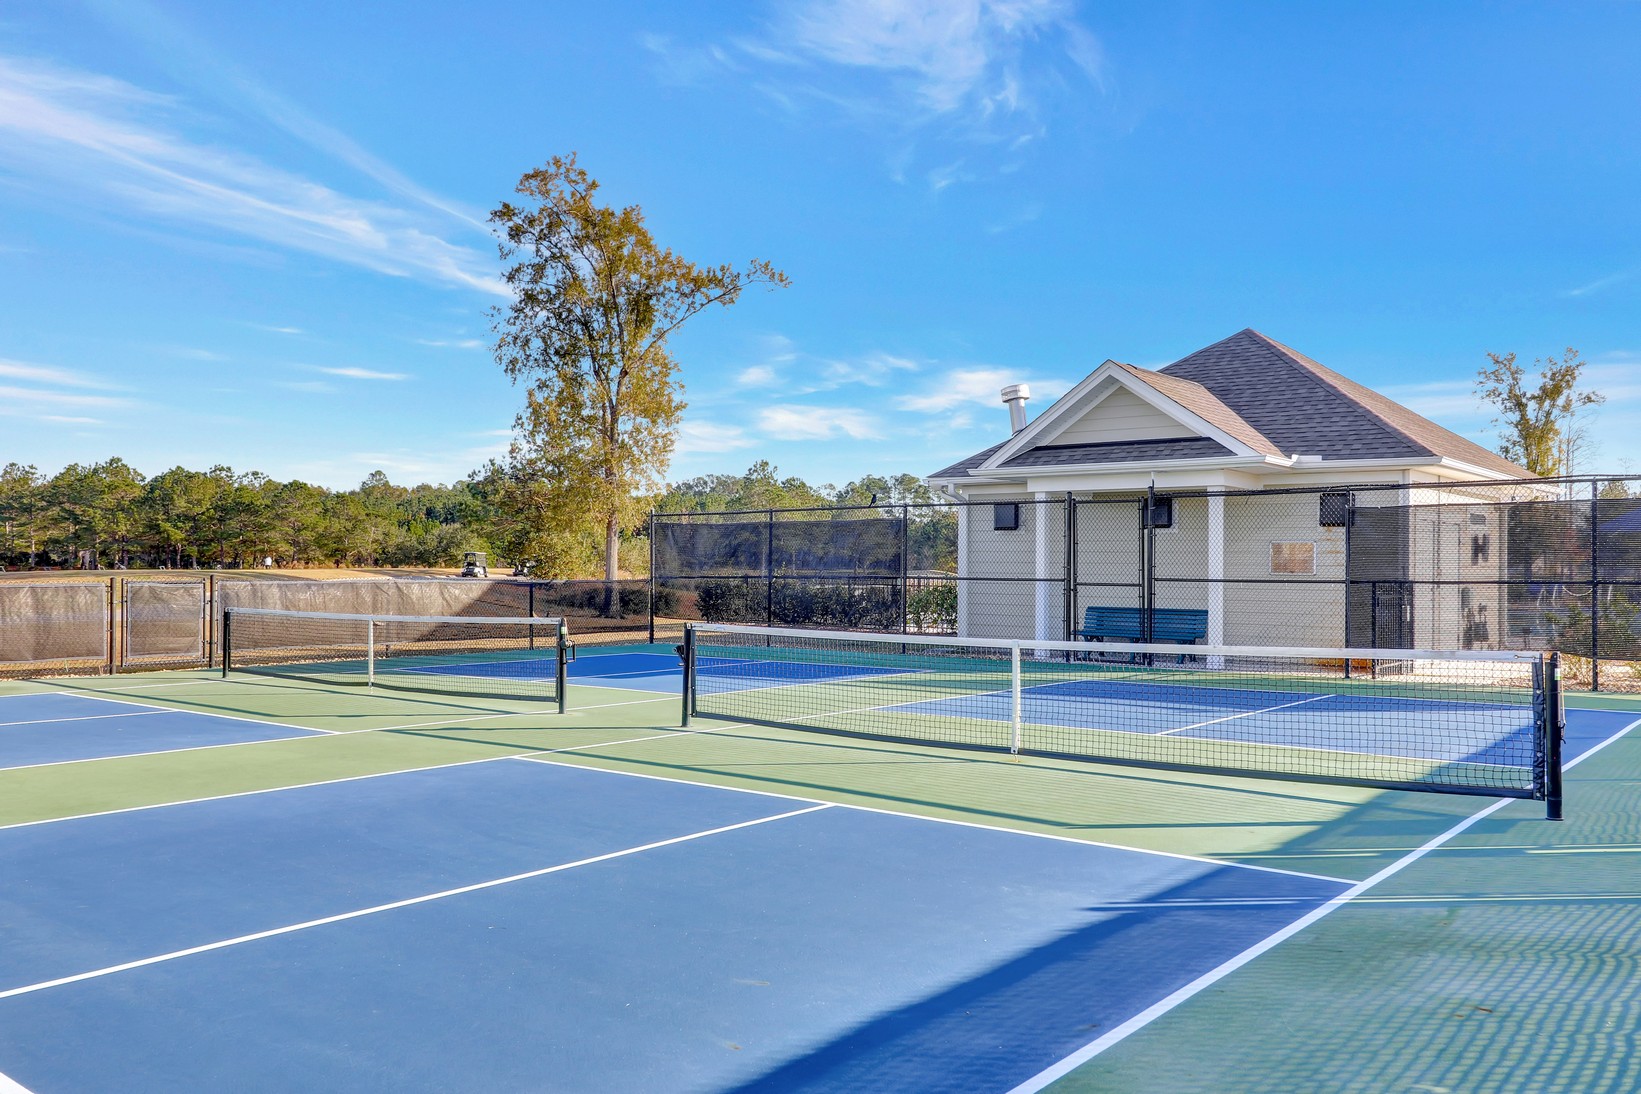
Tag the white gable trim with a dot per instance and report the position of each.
(1077, 402)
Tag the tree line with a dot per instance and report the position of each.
(109, 514)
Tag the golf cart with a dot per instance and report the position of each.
(473, 565)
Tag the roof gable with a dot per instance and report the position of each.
(1118, 403)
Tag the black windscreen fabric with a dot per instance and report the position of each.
(874, 547)
(819, 548)
(688, 548)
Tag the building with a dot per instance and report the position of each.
(1238, 481)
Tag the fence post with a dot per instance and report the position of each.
(1595, 589)
(905, 546)
(1071, 567)
(1350, 525)
(652, 577)
(210, 620)
(113, 626)
(769, 569)
(1148, 548)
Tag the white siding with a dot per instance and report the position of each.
(1121, 416)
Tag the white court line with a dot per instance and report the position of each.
(1163, 1006)
(9, 1085)
(308, 731)
(83, 718)
(167, 751)
(1246, 714)
(343, 779)
(407, 903)
(190, 710)
(540, 757)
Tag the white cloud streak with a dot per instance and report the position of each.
(362, 373)
(962, 386)
(816, 423)
(46, 374)
(111, 142)
(698, 436)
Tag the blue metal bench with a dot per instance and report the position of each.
(1187, 625)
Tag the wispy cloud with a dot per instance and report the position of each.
(872, 370)
(816, 423)
(360, 373)
(47, 374)
(961, 386)
(192, 353)
(978, 72)
(946, 55)
(1599, 284)
(109, 142)
(35, 397)
(699, 436)
(1440, 400)
(756, 376)
(190, 58)
(279, 330)
(454, 343)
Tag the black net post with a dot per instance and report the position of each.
(652, 577)
(227, 640)
(1555, 721)
(687, 650)
(562, 669)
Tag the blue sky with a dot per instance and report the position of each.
(254, 233)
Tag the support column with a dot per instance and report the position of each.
(963, 511)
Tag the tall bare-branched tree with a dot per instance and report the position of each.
(1539, 427)
(594, 302)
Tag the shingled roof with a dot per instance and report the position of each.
(1309, 409)
(1277, 402)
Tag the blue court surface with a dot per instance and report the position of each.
(58, 727)
(512, 925)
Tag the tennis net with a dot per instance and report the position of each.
(1449, 721)
(511, 657)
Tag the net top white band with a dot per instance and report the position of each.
(470, 620)
(1170, 649)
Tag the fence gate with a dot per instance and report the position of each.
(164, 622)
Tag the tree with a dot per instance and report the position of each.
(1538, 428)
(22, 506)
(594, 303)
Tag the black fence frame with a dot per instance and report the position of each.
(1377, 589)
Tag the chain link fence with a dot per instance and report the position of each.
(1536, 564)
(129, 624)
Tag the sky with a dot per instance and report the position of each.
(255, 234)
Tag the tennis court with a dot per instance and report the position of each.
(291, 881)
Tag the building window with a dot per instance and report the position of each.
(1005, 516)
(1293, 558)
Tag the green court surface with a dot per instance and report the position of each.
(1495, 955)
